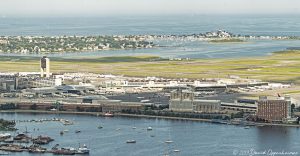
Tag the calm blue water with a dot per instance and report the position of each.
(274, 25)
(191, 138)
(184, 24)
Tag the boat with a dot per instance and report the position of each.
(77, 131)
(130, 141)
(5, 135)
(144, 101)
(83, 150)
(67, 122)
(26, 131)
(99, 127)
(36, 149)
(246, 127)
(11, 148)
(168, 141)
(22, 138)
(108, 114)
(250, 124)
(218, 121)
(62, 151)
(176, 150)
(61, 132)
(149, 128)
(9, 140)
(133, 127)
(42, 140)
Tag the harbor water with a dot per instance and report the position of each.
(188, 138)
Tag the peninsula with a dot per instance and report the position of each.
(58, 44)
(61, 44)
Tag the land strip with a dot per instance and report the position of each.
(279, 67)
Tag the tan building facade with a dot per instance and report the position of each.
(184, 101)
(207, 106)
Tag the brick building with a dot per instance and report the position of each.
(275, 110)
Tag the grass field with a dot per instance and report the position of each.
(279, 67)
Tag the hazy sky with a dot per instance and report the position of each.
(117, 7)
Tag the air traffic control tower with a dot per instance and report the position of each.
(45, 67)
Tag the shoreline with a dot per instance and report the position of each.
(140, 116)
(102, 114)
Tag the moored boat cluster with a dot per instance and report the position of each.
(12, 144)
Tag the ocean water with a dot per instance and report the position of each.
(273, 25)
(191, 138)
(128, 25)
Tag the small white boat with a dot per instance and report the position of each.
(168, 141)
(149, 128)
(133, 127)
(176, 150)
(67, 122)
(9, 140)
(108, 114)
(130, 141)
(5, 135)
(83, 150)
(247, 127)
(143, 101)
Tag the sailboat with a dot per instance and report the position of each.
(26, 131)
(100, 126)
(168, 141)
(171, 148)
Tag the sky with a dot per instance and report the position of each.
(145, 7)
